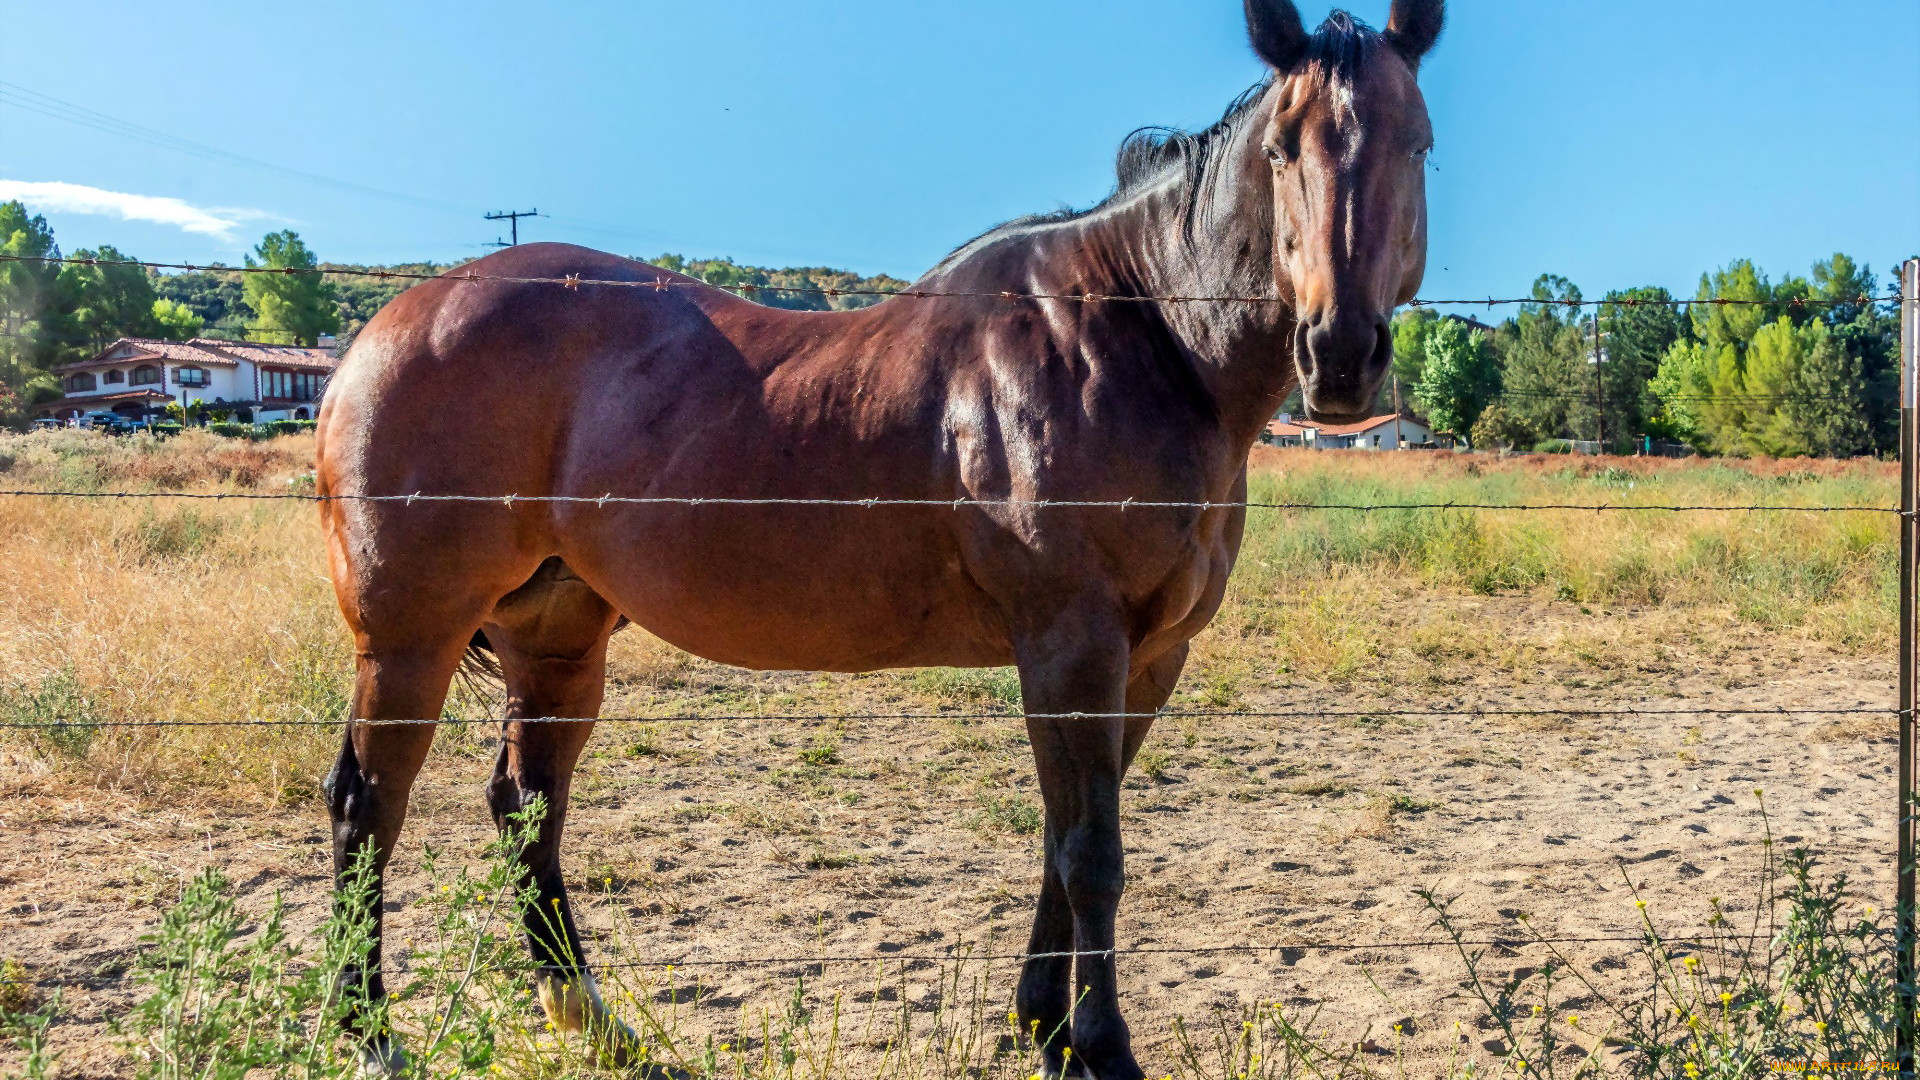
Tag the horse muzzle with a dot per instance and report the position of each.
(1342, 358)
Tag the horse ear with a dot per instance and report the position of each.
(1414, 25)
(1275, 29)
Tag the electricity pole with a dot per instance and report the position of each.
(512, 217)
(1599, 391)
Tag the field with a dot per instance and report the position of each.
(723, 840)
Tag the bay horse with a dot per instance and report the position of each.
(1309, 194)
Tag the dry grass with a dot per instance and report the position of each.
(209, 611)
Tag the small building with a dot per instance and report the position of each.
(1388, 432)
(136, 377)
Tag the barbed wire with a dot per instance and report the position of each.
(1263, 714)
(1700, 939)
(663, 283)
(512, 500)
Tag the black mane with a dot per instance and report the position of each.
(1335, 55)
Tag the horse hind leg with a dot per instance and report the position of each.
(551, 638)
(404, 669)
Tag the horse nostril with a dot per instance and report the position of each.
(1382, 349)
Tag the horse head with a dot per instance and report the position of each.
(1346, 139)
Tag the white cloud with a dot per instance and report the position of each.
(59, 197)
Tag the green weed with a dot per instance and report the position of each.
(1011, 814)
(63, 715)
(970, 686)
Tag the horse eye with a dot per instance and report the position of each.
(1274, 155)
(1423, 151)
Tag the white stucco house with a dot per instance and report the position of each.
(133, 376)
(1388, 432)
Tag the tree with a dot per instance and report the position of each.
(1546, 362)
(1804, 393)
(1410, 330)
(802, 288)
(1829, 402)
(215, 295)
(1778, 376)
(1458, 378)
(1682, 385)
(1636, 336)
(105, 301)
(26, 294)
(300, 303)
(1869, 334)
(175, 321)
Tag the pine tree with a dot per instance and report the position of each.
(303, 304)
(105, 301)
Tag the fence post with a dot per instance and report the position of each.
(1904, 824)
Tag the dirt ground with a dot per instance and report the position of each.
(720, 840)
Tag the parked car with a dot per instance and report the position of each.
(108, 421)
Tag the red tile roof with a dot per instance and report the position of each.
(1354, 429)
(210, 351)
(1277, 428)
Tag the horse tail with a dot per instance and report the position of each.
(479, 673)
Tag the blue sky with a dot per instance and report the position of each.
(1619, 143)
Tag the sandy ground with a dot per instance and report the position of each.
(720, 842)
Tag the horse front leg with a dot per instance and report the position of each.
(1079, 665)
(1045, 997)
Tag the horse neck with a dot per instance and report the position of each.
(1140, 245)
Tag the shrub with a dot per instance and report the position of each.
(1499, 427)
(1553, 446)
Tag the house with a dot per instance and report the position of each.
(136, 377)
(1388, 432)
(1282, 431)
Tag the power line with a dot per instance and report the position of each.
(664, 283)
(21, 97)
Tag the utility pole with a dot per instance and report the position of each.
(1599, 391)
(1399, 440)
(512, 217)
(1904, 869)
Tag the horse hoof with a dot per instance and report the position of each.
(382, 1058)
(613, 1044)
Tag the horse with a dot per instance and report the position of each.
(1133, 350)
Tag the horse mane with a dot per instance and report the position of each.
(1335, 55)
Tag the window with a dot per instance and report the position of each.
(145, 375)
(80, 383)
(289, 385)
(190, 376)
(114, 376)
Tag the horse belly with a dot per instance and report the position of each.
(771, 587)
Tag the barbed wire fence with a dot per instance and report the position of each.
(1909, 618)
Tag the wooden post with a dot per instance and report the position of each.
(1599, 388)
(1399, 438)
(1903, 827)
